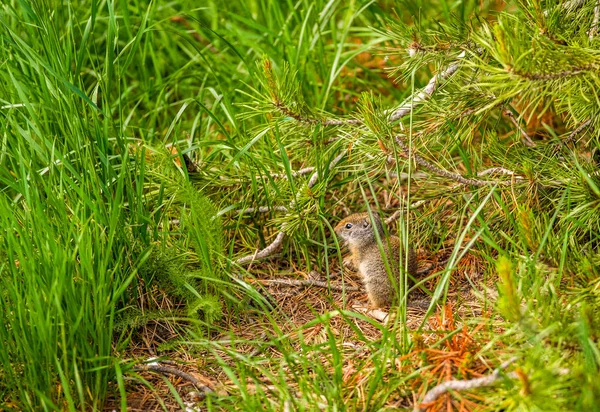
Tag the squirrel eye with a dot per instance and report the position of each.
(348, 225)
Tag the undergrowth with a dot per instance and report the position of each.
(137, 135)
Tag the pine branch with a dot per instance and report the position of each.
(427, 91)
(569, 6)
(526, 139)
(310, 283)
(397, 213)
(172, 371)
(262, 209)
(286, 111)
(270, 249)
(464, 385)
(436, 170)
(574, 71)
(334, 162)
(594, 29)
(578, 130)
(497, 170)
(300, 172)
(422, 96)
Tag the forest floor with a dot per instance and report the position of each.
(295, 307)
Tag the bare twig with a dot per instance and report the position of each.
(569, 6)
(310, 283)
(464, 385)
(573, 71)
(526, 139)
(265, 252)
(594, 28)
(575, 132)
(334, 162)
(397, 213)
(262, 209)
(496, 170)
(443, 173)
(297, 173)
(204, 389)
(300, 118)
(427, 91)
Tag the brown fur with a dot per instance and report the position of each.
(367, 259)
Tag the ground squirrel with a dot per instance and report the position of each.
(357, 231)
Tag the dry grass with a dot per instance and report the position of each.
(296, 307)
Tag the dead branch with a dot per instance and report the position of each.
(203, 389)
(310, 283)
(334, 162)
(594, 28)
(265, 252)
(578, 130)
(397, 213)
(297, 173)
(300, 118)
(526, 139)
(496, 170)
(261, 209)
(436, 170)
(570, 5)
(463, 385)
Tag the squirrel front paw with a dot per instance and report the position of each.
(349, 263)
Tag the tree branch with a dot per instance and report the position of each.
(269, 250)
(464, 385)
(281, 235)
(496, 170)
(204, 389)
(526, 139)
(594, 29)
(574, 71)
(569, 6)
(286, 111)
(404, 109)
(301, 172)
(334, 162)
(310, 283)
(436, 170)
(579, 129)
(397, 213)
(261, 209)
(427, 91)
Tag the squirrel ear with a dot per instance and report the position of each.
(366, 222)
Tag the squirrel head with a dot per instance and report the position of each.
(357, 229)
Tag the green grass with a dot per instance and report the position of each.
(93, 97)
